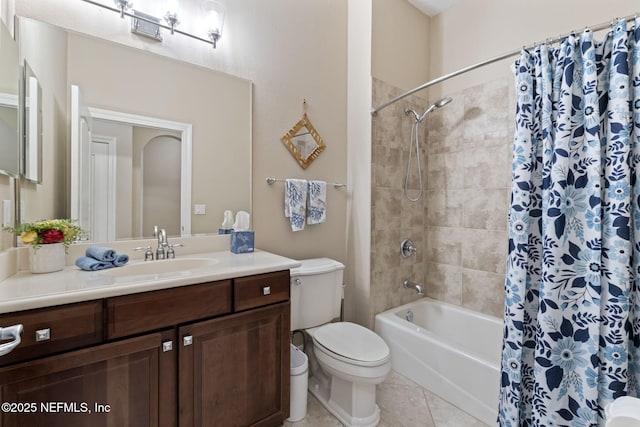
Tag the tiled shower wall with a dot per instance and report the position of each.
(460, 225)
(393, 217)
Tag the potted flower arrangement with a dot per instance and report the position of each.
(50, 240)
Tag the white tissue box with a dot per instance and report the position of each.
(242, 242)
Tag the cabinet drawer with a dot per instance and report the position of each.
(259, 290)
(132, 314)
(55, 329)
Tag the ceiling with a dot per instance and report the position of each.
(432, 7)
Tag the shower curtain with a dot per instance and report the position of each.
(572, 328)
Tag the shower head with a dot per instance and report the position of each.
(442, 102)
(438, 104)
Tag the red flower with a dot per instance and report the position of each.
(52, 236)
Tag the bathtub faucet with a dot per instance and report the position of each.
(408, 284)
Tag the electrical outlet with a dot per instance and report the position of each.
(200, 209)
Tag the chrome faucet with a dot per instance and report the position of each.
(162, 242)
(407, 284)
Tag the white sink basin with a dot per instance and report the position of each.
(176, 265)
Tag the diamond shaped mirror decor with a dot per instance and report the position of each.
(303, 142)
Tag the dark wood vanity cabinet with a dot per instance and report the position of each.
(176, 357)
(123, 383)
(234, 371)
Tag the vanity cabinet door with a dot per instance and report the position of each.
(125, 383)
(234, 371)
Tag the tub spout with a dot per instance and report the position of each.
(407, 284)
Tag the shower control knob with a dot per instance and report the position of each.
(407, 249)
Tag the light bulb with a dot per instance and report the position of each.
(214, 18)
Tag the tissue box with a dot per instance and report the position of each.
(241, 242)
(224, 230)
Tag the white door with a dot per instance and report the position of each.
(80, 161)
(103, 184)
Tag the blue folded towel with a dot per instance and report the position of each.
(91, 264)
(120, 260)
(101, 253)
(100, 257)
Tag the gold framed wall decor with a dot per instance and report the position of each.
(303, 142)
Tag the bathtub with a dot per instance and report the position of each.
(449, 350)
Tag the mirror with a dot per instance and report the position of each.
(9, 79)
(132, 168)
(32, 126)
(135, 82)
(303, 142)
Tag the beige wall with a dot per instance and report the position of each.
(358, 242)
(284, 48)
(400, 40)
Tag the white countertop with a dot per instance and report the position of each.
(24, 291)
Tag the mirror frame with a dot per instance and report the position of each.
(288, 141)
(32, 127)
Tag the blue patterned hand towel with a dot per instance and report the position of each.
(295, 202)
(91, 264)
(101, 253)
(317, 209)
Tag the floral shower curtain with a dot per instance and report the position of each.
(572, 312)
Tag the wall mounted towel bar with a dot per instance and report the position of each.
(270, 181)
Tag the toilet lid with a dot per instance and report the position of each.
(352, 341)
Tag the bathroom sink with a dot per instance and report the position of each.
(177, 265)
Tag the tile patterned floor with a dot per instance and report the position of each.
(402, 404)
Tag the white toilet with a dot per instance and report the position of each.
(347, 360)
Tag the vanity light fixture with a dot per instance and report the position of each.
(149, 25)
(171, 16)
(213, 13)
(123, 5)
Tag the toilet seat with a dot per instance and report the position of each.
(352, 343)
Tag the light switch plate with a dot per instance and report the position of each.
(7, 217)
(200, 209)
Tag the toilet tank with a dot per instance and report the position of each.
(316, 292)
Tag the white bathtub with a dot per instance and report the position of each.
(451, 351)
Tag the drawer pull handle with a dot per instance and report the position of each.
(43, 335)
(266, 290)
(7, 333)
(187, 341)
(167, 346)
